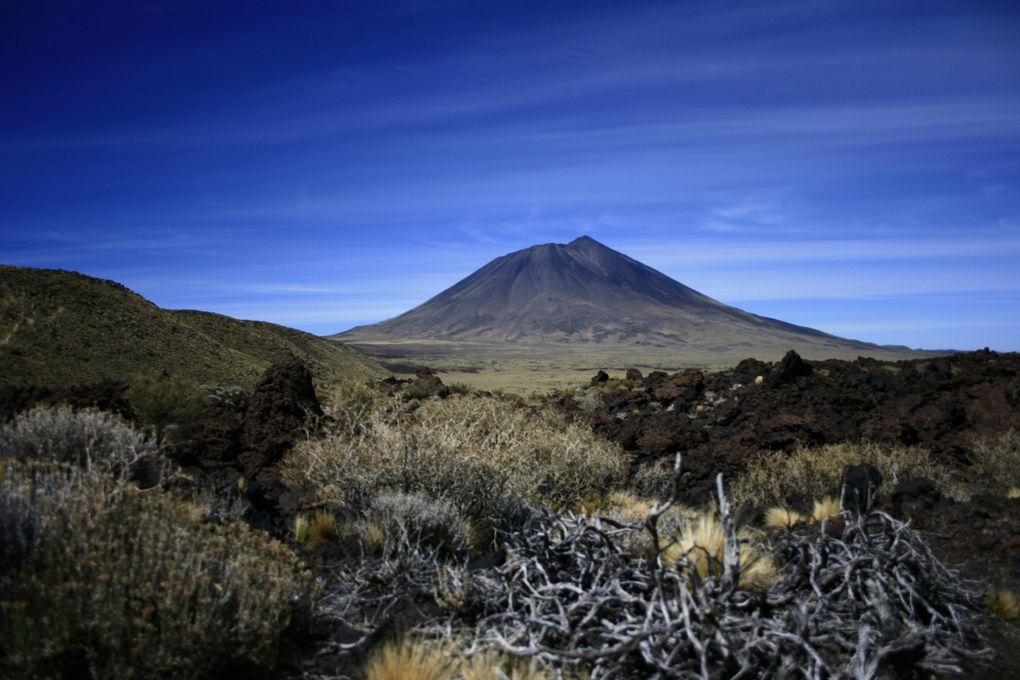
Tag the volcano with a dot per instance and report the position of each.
(585, 294)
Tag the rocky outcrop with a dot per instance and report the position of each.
(719, 420)
(275, 416)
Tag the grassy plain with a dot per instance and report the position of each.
(527, 368)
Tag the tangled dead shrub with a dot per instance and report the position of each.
(481, 454)
(773, 478)
(89, 439)
(137, 585)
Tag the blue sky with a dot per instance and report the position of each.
(851, 166)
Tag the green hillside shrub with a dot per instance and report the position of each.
(163, 400)
(89, 439)
(483, 455)
(128, 584)
(775, 478)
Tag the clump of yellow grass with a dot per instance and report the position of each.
(702, 542)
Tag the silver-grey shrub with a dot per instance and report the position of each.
(419, 520)
(89, 439)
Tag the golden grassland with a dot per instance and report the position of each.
(538, 368)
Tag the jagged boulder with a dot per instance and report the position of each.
(276, 415)
(789, 368)
(686, 385)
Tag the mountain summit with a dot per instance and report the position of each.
(585, 293)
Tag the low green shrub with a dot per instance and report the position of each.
(163, 400)
(128, 584)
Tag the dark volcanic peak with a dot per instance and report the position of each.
(585, 292)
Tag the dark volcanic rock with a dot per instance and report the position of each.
(915, 495)
(895, 403)
(275, 416)
(685, 385)
(788, 370)
(859, 488)
(600, 378)
(431, 383)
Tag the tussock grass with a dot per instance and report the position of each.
(824, 508)
(483, 455)
(703, 541)
(422, 659)
(315, 530)
(782, 518)
(1013, 492)
(1003, 603)
(774, 478)
(409, 660)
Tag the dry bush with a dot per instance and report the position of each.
(996, 460)
(348, 403)
(90, 439)
(652, 480)
(870, 603)
(137, 585)
(422, 521)
(162, 400)
(483, 455)
(1013, 492)
(774, 478)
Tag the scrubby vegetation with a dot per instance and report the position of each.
(98, 577)
(162, 400)
(89, 439)
(485, 456)
(464, 536)
(996, 461)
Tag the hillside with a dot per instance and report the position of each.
(59, 327)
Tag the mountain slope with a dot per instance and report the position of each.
(585, 293)
(59, 327)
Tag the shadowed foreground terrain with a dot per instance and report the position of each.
(413, 529)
